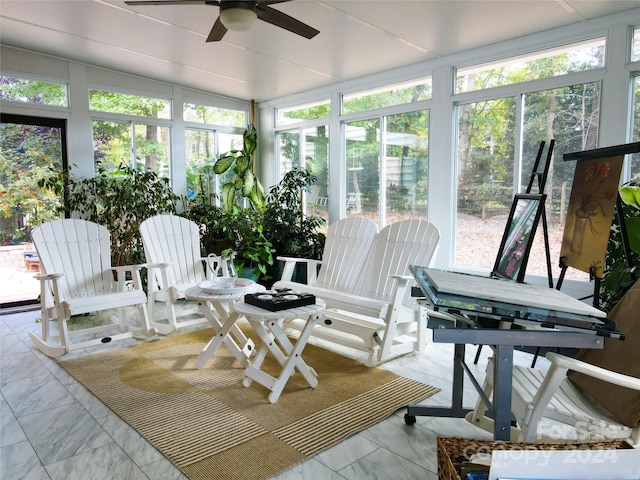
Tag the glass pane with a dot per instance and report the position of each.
(300, 113)
(289, 151)
(635, 47)
(28, 154)
(406, 165)
(485, 168)
(315, 144)
(112, 143)
(387, 96)
(30, 91)
(214, 115)
(635, 158)
(200, 157)
(550, 63)
(152, 148)
(570, 116)
(102, 101)
(362, 168)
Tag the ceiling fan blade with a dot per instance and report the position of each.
(172, 2)
(282, 20)
(217, 31)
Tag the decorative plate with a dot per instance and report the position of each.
(213, 286)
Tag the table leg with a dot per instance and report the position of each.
(288, 355)
(502, 378)
(222, 335)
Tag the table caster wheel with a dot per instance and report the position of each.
(409, 419)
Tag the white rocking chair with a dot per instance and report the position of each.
(77, 278)
(174, 264)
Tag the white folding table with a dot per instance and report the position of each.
(270, 328)
(223, 320)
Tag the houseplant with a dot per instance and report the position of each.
(243, 184)
(119, 200)
(290, 231)
(215, 233)
(254, 253)
(618, 275)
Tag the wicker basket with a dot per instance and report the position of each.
(455, 451)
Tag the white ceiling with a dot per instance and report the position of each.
(358, 37)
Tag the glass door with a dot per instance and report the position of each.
(31, 149)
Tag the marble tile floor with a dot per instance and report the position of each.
(52, 428)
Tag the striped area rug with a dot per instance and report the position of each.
(211, 427)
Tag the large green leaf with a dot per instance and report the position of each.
(250, 140)
(243, 162)
(633, 232)
(248, 180)
(223, 164)
(228, 196)
(630, 195)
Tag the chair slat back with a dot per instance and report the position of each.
(174, 240)
(345, 252)
(398, 245)
(79, 249)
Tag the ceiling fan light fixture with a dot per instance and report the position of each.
(239, 17)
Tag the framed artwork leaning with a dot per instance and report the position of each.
(590, 213)
(513, 254)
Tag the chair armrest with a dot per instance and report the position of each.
(594, 371)
(155, 265)
(290, 263)
(135, 275)
(43, 277)
(129, 268)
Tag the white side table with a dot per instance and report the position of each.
(269, 327)
(223, 320)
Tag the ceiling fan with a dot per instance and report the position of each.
(241, 15)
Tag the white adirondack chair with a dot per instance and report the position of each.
(376, 314)
(77, 278)
(538, 395)
(345, 251)
(172, 250)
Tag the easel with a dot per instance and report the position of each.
(600, 153)
(539, 173)
(541, 176)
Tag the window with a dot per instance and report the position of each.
(32, 91)
(546, 64)
(395, 187)
(139, 145)
(387, 96)
(113, 102)
(490, 169)
(308, 148)
(203, 147)
(635, 46)
(301, 113)
(214, 115)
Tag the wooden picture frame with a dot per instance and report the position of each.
(513, 254)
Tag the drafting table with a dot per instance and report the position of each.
(470, 309)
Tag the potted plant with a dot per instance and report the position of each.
(119, 200)
(254, 253)
(618, 275)
(215, 232)
(290, 231)
(244, 184)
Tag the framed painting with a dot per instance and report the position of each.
(513, 254)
